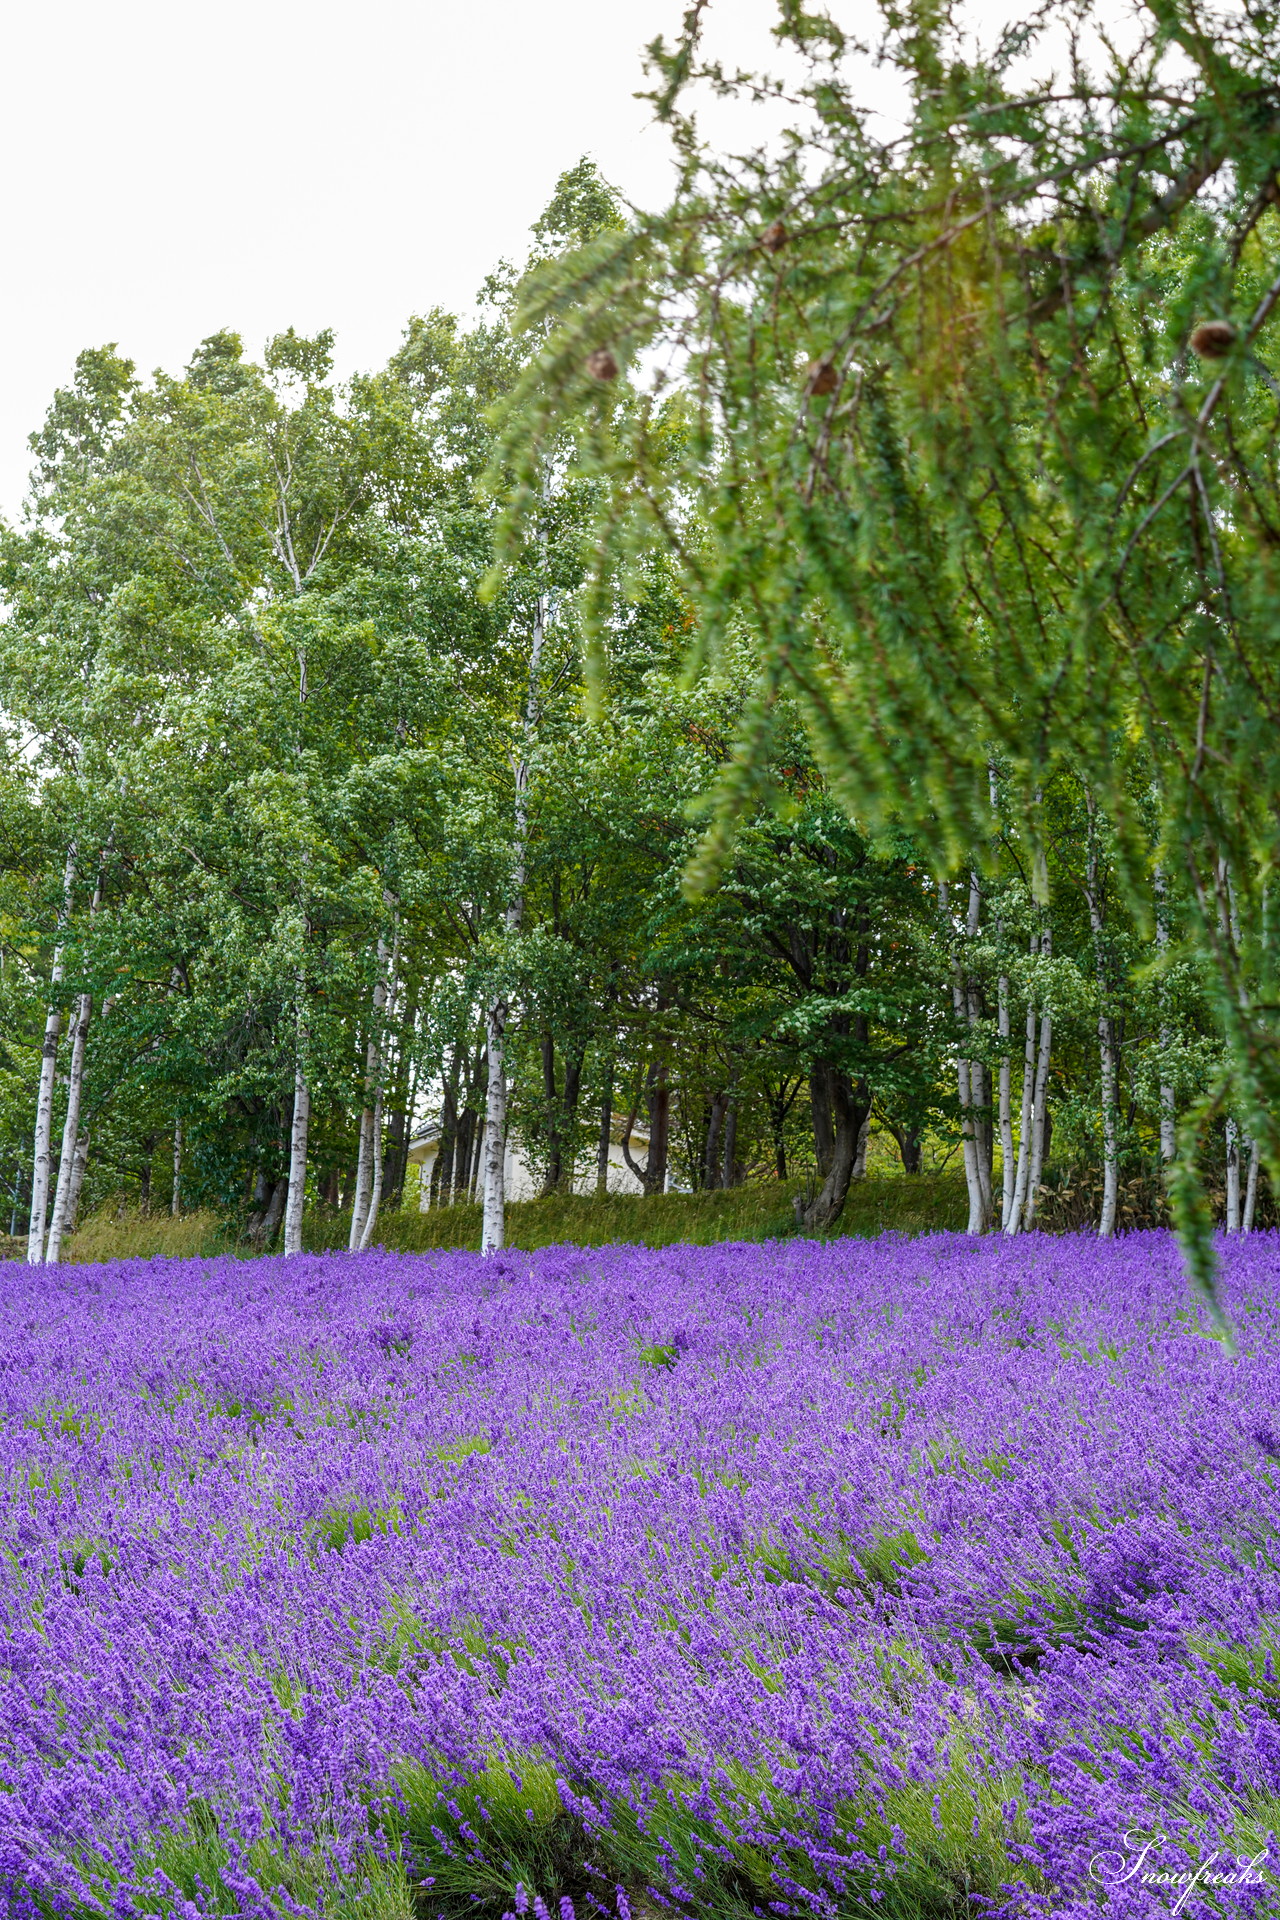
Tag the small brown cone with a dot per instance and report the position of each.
(1213, 339)
(774, 238)
(601, 365)
(821, 377)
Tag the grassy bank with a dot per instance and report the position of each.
(922, 1204)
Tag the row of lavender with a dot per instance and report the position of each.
(910, 1577)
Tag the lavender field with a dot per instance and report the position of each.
(906, 1577)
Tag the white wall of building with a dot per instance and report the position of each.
(520, 1182)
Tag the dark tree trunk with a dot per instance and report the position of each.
(729, 1165)
(144, 1177)
(329, 1188)
(572, 1092)
(850, 1106)
(659, 1104)
(711, 1160)
(653, 1174)
(821, 1093)
(442, 1172)
(461, 1173)
(551, 1098)
(910, 1146)
(275, 1212)
(606, 1136)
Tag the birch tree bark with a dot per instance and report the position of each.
(1040, 1097)
(979, 1076)
(59, 1225)
(978, 1213)
(44, 1098)
(176, 1208)
(389, 1007)
(70, 1129)
(1251, 1189)
(297, 1191)
(1168, 1109)
(1018, 1199)
(1106, 1039)
(493, 1227)
(1233, 1127)
(1233, 1175)
(1007, 1170)
(371, 1113)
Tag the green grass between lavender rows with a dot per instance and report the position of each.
(923, 1203)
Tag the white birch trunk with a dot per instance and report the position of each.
(371, 1116)
(1017, 1205)
(70, 1130)
(364, 1158)
(297, 1154)
(1251, 1188)
(44, 1098)
(1233, 1175)
(494, 1223)
(968, 1142)
(1168, 1109)
(79, 1161)
(979, 1079)
(63, 1213)
(375, 1193)
(1040, 1097)
(1233, 1127)
(1007, 1169)
(1106, 1046)
(493, 1228)
(176, 1208)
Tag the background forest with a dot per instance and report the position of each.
(356, 779)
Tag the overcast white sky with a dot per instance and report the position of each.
(173, 168)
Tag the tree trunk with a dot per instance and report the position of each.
(59, 1226)
(389, 1009)
(605, 1140)
(442, 1172)
(494, 1224)
(404, 1093)
(729, 1161)
(653, 1174)
(1008, 1172)
(849, 1108)
(297, 1189)
(371, 1113)
(1040, 1123)
(1233, 1175)
(910, 1144)
(820, 1111)
(1168, 1110)
(493, 1232)
(270, 1224)
(573, 1063)
(551, 1100)
(711, 1159)
(176, 1208)
(44, 1098)
(70, 1128)
(979, 1076)
(79, 1162)
(1106, 1041)
(860, 1154)
(1018, 1203)
(978, 1216)
(1251, 1188)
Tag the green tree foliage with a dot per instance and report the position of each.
(971, 425)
